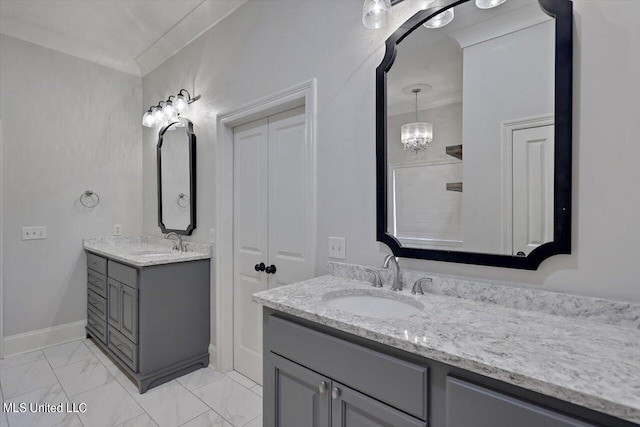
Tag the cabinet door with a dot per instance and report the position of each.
(469, 404)
(129, 312)
(301, 395)
(113, 303)
(352, 409)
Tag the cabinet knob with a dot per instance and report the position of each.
(271, 269)
(322, 387)
(260, 267)
(335, 393)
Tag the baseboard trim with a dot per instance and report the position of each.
(212, 356)
(36, 340)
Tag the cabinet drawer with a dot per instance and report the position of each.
(123, 348)
(97, 326)
(97, 304)
(472, 405)
(97, 263)
(97, 283)
(393, 381)
(123, 274)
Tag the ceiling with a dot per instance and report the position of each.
(435, 56)
(134, 36)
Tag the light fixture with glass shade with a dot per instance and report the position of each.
(168, 112)
(375, 13)
(416, 136)
(488, 4)
(441, 19)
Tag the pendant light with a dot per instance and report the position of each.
(416, 136)
(375, 13)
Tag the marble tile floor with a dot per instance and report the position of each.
(79, 372)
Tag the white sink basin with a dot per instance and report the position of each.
(150, 253)
(376, 306)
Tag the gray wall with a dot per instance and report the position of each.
(266, 46)
(68, 125)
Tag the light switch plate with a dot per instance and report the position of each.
(337, 248)
(117, 230)
(212, 235)
(34, 233)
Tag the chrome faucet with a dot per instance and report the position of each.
(397, 284)
(177, 245)
(376, 283)
(417, 286)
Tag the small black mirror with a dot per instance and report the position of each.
(177, 178)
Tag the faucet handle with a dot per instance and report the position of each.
(377, 283)
(417, 286)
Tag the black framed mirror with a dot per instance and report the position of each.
(176, 156)
(473, 134)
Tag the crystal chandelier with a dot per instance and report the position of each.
(416, 136)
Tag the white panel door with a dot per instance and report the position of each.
(289, 210)
(250, 243)
(533, 172)
(272, 222)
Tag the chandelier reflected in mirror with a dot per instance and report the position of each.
(416, 136)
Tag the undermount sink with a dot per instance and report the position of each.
(376, 306)
(150, 253)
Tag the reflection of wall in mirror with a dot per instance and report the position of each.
(175, 179)
(421, 212)
(507, 78)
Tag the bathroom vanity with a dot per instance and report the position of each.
(334, 358)
(148, 306)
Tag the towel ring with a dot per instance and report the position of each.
(87, 195)
(181, 197)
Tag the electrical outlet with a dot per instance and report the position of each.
(34, 233)
(212, 235)
(117, 230)
(337, 248)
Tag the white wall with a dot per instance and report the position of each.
(68, 125)
(265, 47)
(505, 79)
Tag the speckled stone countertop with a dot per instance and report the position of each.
(143, 251)
(588, 363)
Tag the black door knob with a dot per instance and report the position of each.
(260, 267)
(271, 269)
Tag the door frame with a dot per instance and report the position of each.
(506, 149)
(1, 248)
(304, 93)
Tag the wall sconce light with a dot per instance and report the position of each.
(168, 111)
(375, 13)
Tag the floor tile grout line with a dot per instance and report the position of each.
(59, 383)
(253, 419)
(22, 354)
(205, 403)
(204, 385)
(69, 396)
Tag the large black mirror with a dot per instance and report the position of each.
(176, 153)
(474, 134)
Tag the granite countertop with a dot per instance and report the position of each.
(588, 363)
(143, 251)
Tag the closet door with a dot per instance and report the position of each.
(290, 230)
(533, 181)
(250, 230)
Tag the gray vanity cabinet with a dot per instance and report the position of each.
(317, 376)
(301, 395)
(471, 405)
(123, 309)
(304, 398)
(350, 408)
(153, 321)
